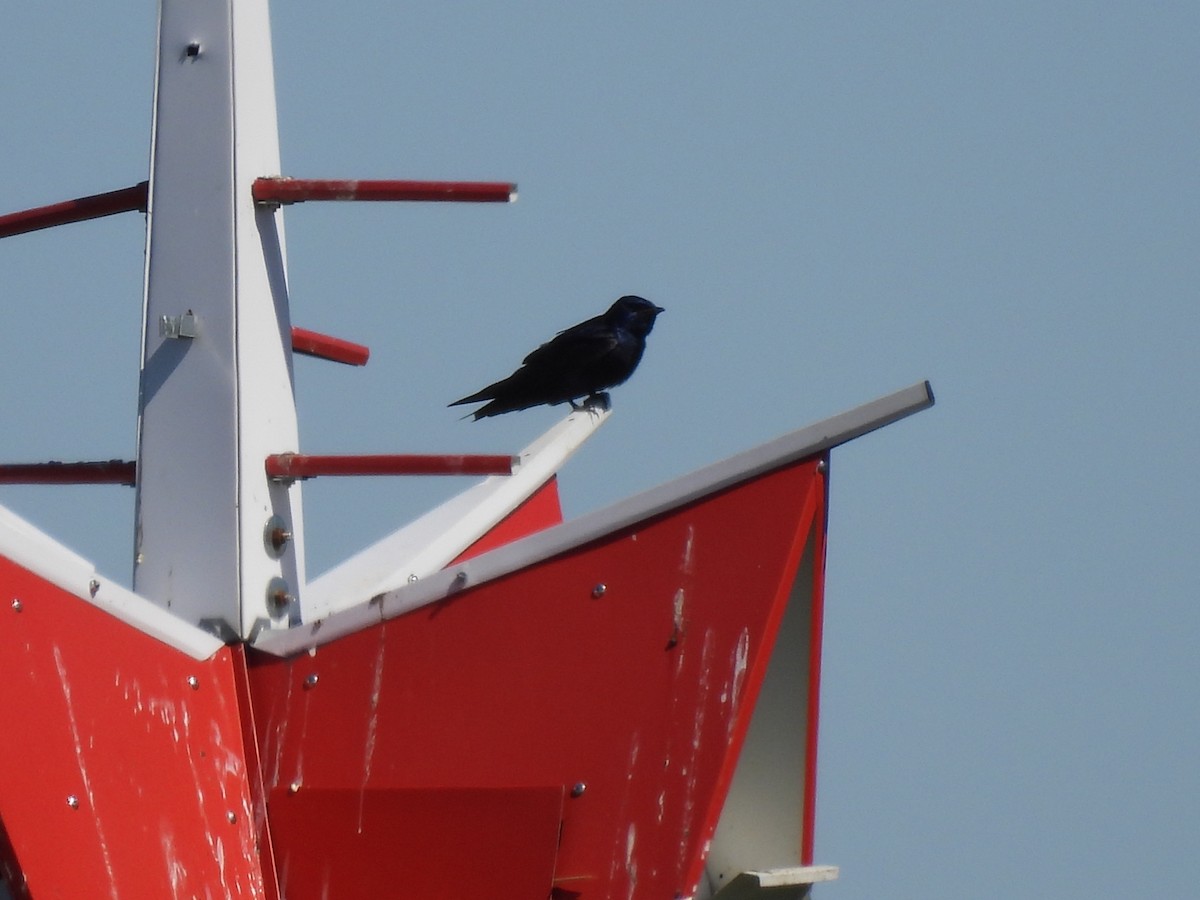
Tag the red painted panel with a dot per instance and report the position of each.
(120, 777)
(432, 844)
(629, 667)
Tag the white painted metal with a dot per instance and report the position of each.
(213, 406)
(33, 549)
(774, 883)
(796, 445)
(426, 545)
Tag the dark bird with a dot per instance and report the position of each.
(582, 361)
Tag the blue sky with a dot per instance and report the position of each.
(832, 201)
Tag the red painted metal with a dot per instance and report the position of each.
(94, 206)
(297, 190)
(323, 346)
(113, 471)
(808, 813)
(305, 465)
(120, 775)
(539, 511)
(639, 692)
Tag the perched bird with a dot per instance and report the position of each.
(582, 361)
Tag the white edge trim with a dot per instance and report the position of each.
(426, 545)
(33, 549)
(796, 445)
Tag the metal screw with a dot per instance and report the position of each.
(231, 816)
(599, 591)
(93, 587)
(16, 605)
(193, 682)
(193, 50)
(412, 579)
(578, 789)
(294, 786)
(310, 680)
(821, 466)
(72, 801)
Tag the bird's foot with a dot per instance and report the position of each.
(598, 402)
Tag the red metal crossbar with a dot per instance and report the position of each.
(313, 343)
(302, 465)
(113, 471)
(94, 206)
(296, 190)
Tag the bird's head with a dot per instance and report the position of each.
(635, 313)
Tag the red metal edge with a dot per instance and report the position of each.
(112, 471)
(306, 465)
(813, 704)
(324, 346)
(94, 206)
(755, 677)
(297, 190)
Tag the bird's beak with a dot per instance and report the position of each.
(658, 309)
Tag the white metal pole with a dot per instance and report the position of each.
(216, 382)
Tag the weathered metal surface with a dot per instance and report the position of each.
(123, 769)
(634, 699)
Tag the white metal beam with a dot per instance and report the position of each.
(792, 447)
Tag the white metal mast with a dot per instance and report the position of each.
(216, 391)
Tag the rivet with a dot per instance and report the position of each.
(72, 801)
(294, 787)
(231, 816)
(193, 682)
(578, 789)
(93, 587)
(599, 591)
(821, 466)
(310, 680)
(413, 579)
(16, 605)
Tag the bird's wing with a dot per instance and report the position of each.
(575, 347)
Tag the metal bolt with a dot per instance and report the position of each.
(821, 467)
(193, 682)
(276, 536)
(294, 787)
(231, 816)
(193, 50)
(599, 591)
(16, 605)
(72, 801)
(310, 680)
(93, 587)
(578, 789)
(413, 578)
(278, 594)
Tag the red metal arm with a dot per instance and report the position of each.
(93, 206)
(113, 471)
(296, 190)
(303, 465)
(313, 343)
